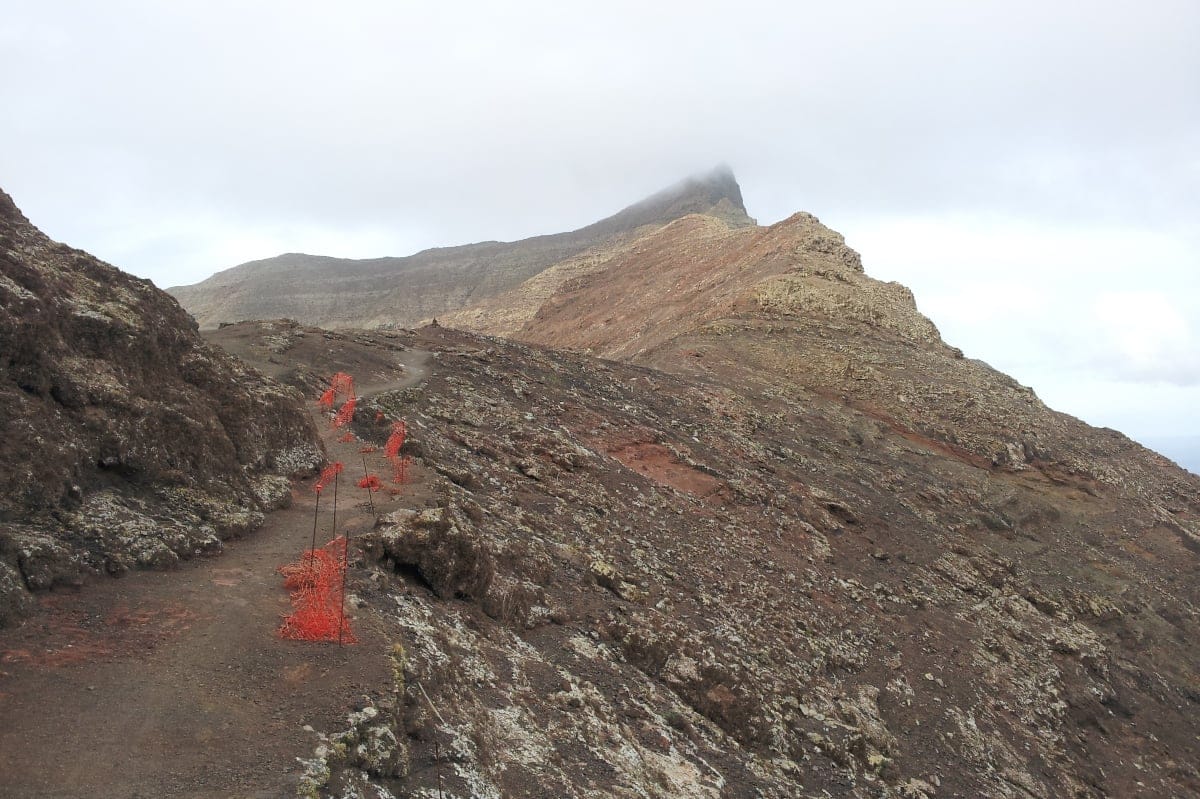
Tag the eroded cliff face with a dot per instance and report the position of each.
(128, 442)
(636, 583)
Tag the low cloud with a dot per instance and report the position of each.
(1149, 338)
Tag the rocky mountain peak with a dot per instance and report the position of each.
(719, 183)
(697, 194)
(722, 179)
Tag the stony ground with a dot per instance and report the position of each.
(175, 684)
(613, 581)
(730, 592)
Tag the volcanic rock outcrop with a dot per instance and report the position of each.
(128, 441)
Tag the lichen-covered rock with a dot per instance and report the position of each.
(106, 388)
(15, 599)
(445, 548)
(366, 750)
(42, 560)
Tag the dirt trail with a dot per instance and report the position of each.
(175, 684)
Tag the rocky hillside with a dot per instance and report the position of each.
(338, 292)
(636, 583)
(752, 529)
(789, 308)
(128, 442)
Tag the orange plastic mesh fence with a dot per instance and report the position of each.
(400, 470)
(392, 451)
(346, 414)
(342, 383)
(396, 440)
(328, 474)
(316, 585)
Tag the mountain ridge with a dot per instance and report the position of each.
(791, 303)
(396, 291)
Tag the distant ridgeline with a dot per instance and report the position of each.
(340, 292)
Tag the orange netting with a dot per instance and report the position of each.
(316, 583)
(392, 451)
(346, 414)
(340, 384)
(400, 470)
(396, 439)
(328, 475)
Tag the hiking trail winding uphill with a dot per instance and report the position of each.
(176, 684)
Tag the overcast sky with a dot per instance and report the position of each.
(1030, 169)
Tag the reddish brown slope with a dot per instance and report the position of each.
(789, 306)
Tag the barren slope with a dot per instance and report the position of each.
(638, 584)
(338, 292)
(789, 306)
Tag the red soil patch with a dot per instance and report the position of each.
(72, 635)
(662, 466)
